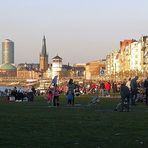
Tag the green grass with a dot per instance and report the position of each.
(35, 125)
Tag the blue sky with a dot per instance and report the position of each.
(77, 30)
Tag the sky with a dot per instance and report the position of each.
(79, 31)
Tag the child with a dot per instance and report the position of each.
(69, 97)
(49, 97)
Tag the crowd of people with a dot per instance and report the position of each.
(54, 92)
(20, 94)
(131, 91)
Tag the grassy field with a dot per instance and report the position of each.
(35, 125)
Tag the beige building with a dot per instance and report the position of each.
(93, 69)
(24, 73)
(144, 54)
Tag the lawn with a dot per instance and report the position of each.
(35, 125)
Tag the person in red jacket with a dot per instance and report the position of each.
(49, 96)
(107, 88)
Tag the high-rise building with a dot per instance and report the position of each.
(43, 57)
(7, 52)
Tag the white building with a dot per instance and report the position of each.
(56, 66)
(135, 59)
(116, 64)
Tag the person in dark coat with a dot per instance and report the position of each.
(102, 88)
(146, 90)
(134, 90)
(14, 93)
(30, 95)
(33, 90)
(125, 96)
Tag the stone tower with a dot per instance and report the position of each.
(43, 57)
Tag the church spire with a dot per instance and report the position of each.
(43, 57)
(44, 46)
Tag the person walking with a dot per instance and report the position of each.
(49, 96)
(128, 83)
(71, 87)
(56, 95)
(134, 90)
(125, 96)
(102, 88)
(108, 88)
(146, 90)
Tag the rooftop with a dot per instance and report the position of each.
(7, 66)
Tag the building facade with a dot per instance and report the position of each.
(144, 63)
(7, 52)
(8, 71)
(25, 72)
(131, 59)
(56, 66)
(135, 56)
(93, 70)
